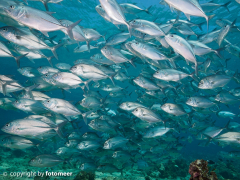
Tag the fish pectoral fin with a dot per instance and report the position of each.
(188, 16)
(45, 33)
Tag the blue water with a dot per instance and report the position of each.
(73, 11)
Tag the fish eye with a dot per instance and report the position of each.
(48, 101)
(136, 110)
(46, 75)
(171, 35)
(16, 101)
(12, 7)
(7, 125)
(100, 6)
(134, 21)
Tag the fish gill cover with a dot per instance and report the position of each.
(119, 89)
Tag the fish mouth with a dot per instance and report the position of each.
(3, 130)
(6, 10)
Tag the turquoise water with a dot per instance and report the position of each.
(178, 148)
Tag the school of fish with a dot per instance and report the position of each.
(123, 120)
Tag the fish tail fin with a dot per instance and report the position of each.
(226, 127)
(226, 5)
(52, 38)
(175, 130)
(192, 75)
(38, 147)
(68, 160)
(112, 77)
(50, 60)
(132, 63)
(196, 69)
(65, 46)
(63, 93)
(104, 36)
(58, 129)
(236, 73)
(4, 86)
(200, 25)
(53, 49)
(208, 18)
(227, 61)
(129, 29)
(17, 58)
(217, 52)
(164, 122)
(147, 10)
(125, 68)
(171, 60)
(69, 28)
(84, 115)
(29, 90)
(88, 46)
(209, 139)
(87, 82)
(234, 22)
(45, 3)
(130, 94)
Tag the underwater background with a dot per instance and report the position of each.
(174, 166)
